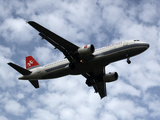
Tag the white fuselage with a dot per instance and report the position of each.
(102, 57)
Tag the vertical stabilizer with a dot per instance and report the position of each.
(31, 62)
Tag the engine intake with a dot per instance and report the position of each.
(86, 50)
(110, 77)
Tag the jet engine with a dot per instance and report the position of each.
(110, 77)
(86, 50)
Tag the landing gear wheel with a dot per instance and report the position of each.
(128, 61)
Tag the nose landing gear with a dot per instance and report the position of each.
(128, 60)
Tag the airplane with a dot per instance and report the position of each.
(86, 61)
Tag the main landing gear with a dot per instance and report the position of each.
(128, 60)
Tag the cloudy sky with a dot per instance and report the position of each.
(134, 96)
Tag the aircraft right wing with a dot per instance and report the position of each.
(60, 43)
(95, 79)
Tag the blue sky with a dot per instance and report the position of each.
(134, 96)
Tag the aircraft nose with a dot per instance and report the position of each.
(147, 45)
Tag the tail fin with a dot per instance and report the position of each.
(31, 62)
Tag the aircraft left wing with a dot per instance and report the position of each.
(60, 43)
(95, 78)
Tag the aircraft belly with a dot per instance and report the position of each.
(89, 66)
(104, 60)
(97, 62)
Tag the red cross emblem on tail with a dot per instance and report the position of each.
(31, 62)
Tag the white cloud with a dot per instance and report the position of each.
(152, 100)
(3, 118)
(109, 14)
(154, 106)
(119, 88)
(5, 51)
(125, 109)
(5, 74)
(107, 116)
(14, 108)
(68, 114)
(15, 30)
(20, 96)
(45, 55)
(41, 114)
(81, 22)
(148, 13)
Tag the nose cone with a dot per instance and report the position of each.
(146, 45)
(142, 46)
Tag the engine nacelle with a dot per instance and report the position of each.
(86, 50)
(110, 77)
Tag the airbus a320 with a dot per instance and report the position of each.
(85, 60)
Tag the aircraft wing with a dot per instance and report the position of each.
(60, 43)
(95, 78)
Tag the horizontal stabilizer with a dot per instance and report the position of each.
(20, 69)
(34, 83)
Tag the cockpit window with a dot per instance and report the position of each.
(136, 40)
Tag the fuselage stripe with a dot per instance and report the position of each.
(120, 49)
(57, 67)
